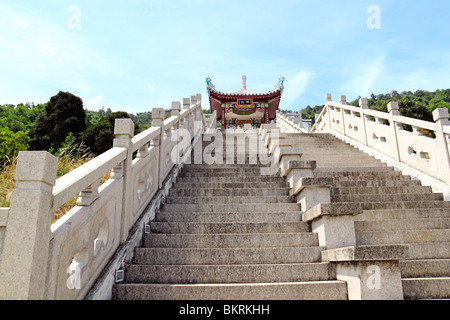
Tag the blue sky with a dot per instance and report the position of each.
(136, 55)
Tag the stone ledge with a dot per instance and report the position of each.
(286, 151)
(320, 182)
(297, 164)
(332, 209)
(366, 253)
(267, 136)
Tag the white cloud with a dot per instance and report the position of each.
(294, 88)
(363, 79)
(45, 51)
(96, 100)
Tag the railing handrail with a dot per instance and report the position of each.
(145, 137)
(70, 184)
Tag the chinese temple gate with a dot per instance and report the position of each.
(241, 107)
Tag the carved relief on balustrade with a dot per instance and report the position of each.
(144, 182)
(82, 244)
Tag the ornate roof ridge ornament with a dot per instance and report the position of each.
(244, 91)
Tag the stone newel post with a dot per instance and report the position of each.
(23, 267)
(441, 117)
(158, 121)
(393, 110)
(124, 132)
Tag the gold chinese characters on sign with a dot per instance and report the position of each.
(244, 103)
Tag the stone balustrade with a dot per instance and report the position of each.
(290, 123)
(210, 121)
(422, 152)
(64, 260)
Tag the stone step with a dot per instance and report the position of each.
(233, 179)
(429, 250)
(222, 168)
(197, 167)
(229, 200)
(405, 205)
(210, 192)
(425, 268)
(426, 288)
(403, 214)
(255, 217)
(379, 190)
(402, 224)
(253, 160)
(211, 256)
(214, 274)
(224, 150)
(329, 149)
(335, 153)
(227, 227)
(225, 156)
(218, 150)
(314, 146)
(310, 290)
(228, 208)
(232, 169)
(185, 184)
(377, 183)
(350, 163)
(339, 177)
(212, 174)
(402, 236)
(254, 240)
(356, 171)
(387, 197)
(311, 136)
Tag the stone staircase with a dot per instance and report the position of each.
(227, 232)
(396, 210)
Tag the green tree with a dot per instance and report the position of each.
(99, 137)
(10, 144)
(63, 114)
(143, 119)
(415, 110)
(20, 118)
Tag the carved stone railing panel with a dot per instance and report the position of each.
(82, 243)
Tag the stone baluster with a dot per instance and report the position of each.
(142, 151)
(88, 195)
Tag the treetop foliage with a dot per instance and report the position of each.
(63, 114)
